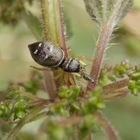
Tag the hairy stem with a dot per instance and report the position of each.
(61, 28)
(48, 75)
(106, 30)
(45, 20)
(102, 43)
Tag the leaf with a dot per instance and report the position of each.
(102, 10)
(33, 24)
(123, 7)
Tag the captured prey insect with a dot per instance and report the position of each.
(48, 55)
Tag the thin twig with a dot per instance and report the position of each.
(50, 84)
(89, 136)
(107, 127)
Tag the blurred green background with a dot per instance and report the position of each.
(15, 59)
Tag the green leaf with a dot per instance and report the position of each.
(55, 132)
(69, 92)
(33, 24)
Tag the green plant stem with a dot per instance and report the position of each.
(50, 84)
(45, 20)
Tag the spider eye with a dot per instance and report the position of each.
(36, 51)
(39, 45)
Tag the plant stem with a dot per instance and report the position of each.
(107, 127)
(89, 136)
(50, 84)
(106, 30)
(110, 88)
(45, 20)
(61, 29)
(102, 43)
